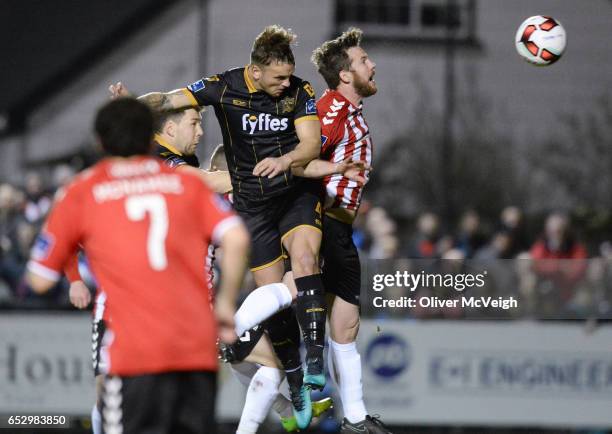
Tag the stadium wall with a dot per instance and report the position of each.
(410, 75)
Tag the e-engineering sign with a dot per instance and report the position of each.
(487, 373)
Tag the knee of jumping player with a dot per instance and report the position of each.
(304, 263)
(344, 330)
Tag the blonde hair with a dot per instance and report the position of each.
(273, 44)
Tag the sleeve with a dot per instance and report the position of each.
(217, 215)
(206, 91)
(59, 238)
(173, 161)
(333, 123)
(71, 269)
(305, 105)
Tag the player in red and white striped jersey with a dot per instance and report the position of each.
(345, 134)
(349, 73)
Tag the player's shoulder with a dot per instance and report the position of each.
(296, 83)
(234, 78)
(332, 108)
(332, 99)
(204, 82)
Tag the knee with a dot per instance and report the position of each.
(304, 262)
(345, 331)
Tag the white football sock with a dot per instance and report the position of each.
(260, 396)
(96, 420)
(244, 372)
(260, 305)
(347, 363)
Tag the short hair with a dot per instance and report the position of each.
(124, 127)
(273, 44)
(332, 57)
(217, 159)
(161, 117)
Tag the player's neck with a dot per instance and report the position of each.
(349, 93)
(255, 83)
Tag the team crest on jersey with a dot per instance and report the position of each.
(311, 107)
(287, 104)
(42, 246)
(309, 90)
(197, 86)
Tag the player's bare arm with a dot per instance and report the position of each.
(309, 134)
(160, 101)
(235, 244)
(321, 168)
(218, 181)
(38, 283)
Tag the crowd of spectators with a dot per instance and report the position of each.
(22, 212)
(548, 267)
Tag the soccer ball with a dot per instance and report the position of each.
(540, 40)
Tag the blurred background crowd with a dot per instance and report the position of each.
(557, 256)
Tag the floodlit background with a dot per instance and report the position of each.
(476, 154)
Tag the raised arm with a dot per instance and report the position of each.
(159, 101)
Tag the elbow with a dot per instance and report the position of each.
(316, 150)
(38, 284)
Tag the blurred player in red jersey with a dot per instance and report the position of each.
(145, 229)
(349, 73)
(176, 138)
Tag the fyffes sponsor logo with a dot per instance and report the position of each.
(263, 122)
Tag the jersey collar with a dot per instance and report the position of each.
(249, 84)
(162, 142)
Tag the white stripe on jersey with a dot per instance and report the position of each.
(100, 305)
(350, 196)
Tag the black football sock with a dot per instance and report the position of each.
(311, 312)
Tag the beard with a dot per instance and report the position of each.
(364, 88)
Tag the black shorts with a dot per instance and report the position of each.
(341, 271)
(97, 334)
(165, 403)
(271, 221)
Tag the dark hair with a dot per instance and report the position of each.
(217, 159)
(332, 57)
(273, 44)
(124, 127)
(171, 115)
